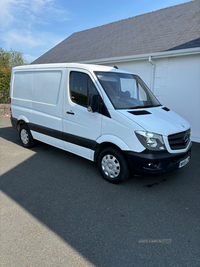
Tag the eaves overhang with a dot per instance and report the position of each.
(164, 54)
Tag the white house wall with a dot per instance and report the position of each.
(186, 90)
(176, 83)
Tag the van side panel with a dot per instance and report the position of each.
(38, 96)
(23, 85)
(48, 104)
(21, 95)
(47, 87)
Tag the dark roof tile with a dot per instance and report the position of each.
(171, 28)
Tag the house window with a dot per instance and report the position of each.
(81, 86)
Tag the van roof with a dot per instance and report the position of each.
(89, 67)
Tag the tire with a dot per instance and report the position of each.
(112, 165)
(25, 136)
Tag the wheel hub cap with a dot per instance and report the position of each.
(24, 136)
(110, 166)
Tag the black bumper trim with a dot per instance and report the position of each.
(162, 161)
(14, 122)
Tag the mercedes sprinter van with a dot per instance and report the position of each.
(100, 113)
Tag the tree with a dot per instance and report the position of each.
(8, 60)
(12, 58)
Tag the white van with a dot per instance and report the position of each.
(101, 113)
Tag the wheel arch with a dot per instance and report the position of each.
(110, 140)
(21, 120)
(101, 146)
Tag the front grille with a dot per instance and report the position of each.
(179, 140)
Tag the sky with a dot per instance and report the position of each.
(35, 26)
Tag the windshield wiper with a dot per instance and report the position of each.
(153, 106)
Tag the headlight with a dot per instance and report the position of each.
(151, 141)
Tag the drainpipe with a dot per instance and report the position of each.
(152, 74)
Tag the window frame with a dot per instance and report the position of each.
(139, 81)
(89, 79)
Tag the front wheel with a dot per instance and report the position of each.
(26, 136)
(112, 165)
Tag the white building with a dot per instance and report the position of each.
(163, 47)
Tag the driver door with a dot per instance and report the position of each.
(82, 127)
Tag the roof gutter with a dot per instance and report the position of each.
(171, 53)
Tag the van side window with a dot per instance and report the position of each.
(81, 86)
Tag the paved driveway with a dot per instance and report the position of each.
(56, 210)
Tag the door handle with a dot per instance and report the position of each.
(70, 112)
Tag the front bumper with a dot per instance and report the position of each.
(155, 162)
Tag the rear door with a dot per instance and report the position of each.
(80, 126)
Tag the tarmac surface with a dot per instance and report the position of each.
(57, 210)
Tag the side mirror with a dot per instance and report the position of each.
(93, 103)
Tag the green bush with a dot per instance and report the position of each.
(8, 59)
(5, 86)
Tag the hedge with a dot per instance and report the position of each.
(5, 86)
(8, 59)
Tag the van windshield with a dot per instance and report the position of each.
(126, 91)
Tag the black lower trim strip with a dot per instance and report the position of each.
(46, 131)
(74, 139)
(14, 122)
(80, 141)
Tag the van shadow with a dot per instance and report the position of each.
(66, 193)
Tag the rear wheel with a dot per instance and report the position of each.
(112, 165)
(26, 136)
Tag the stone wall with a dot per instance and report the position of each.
(4, 110)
